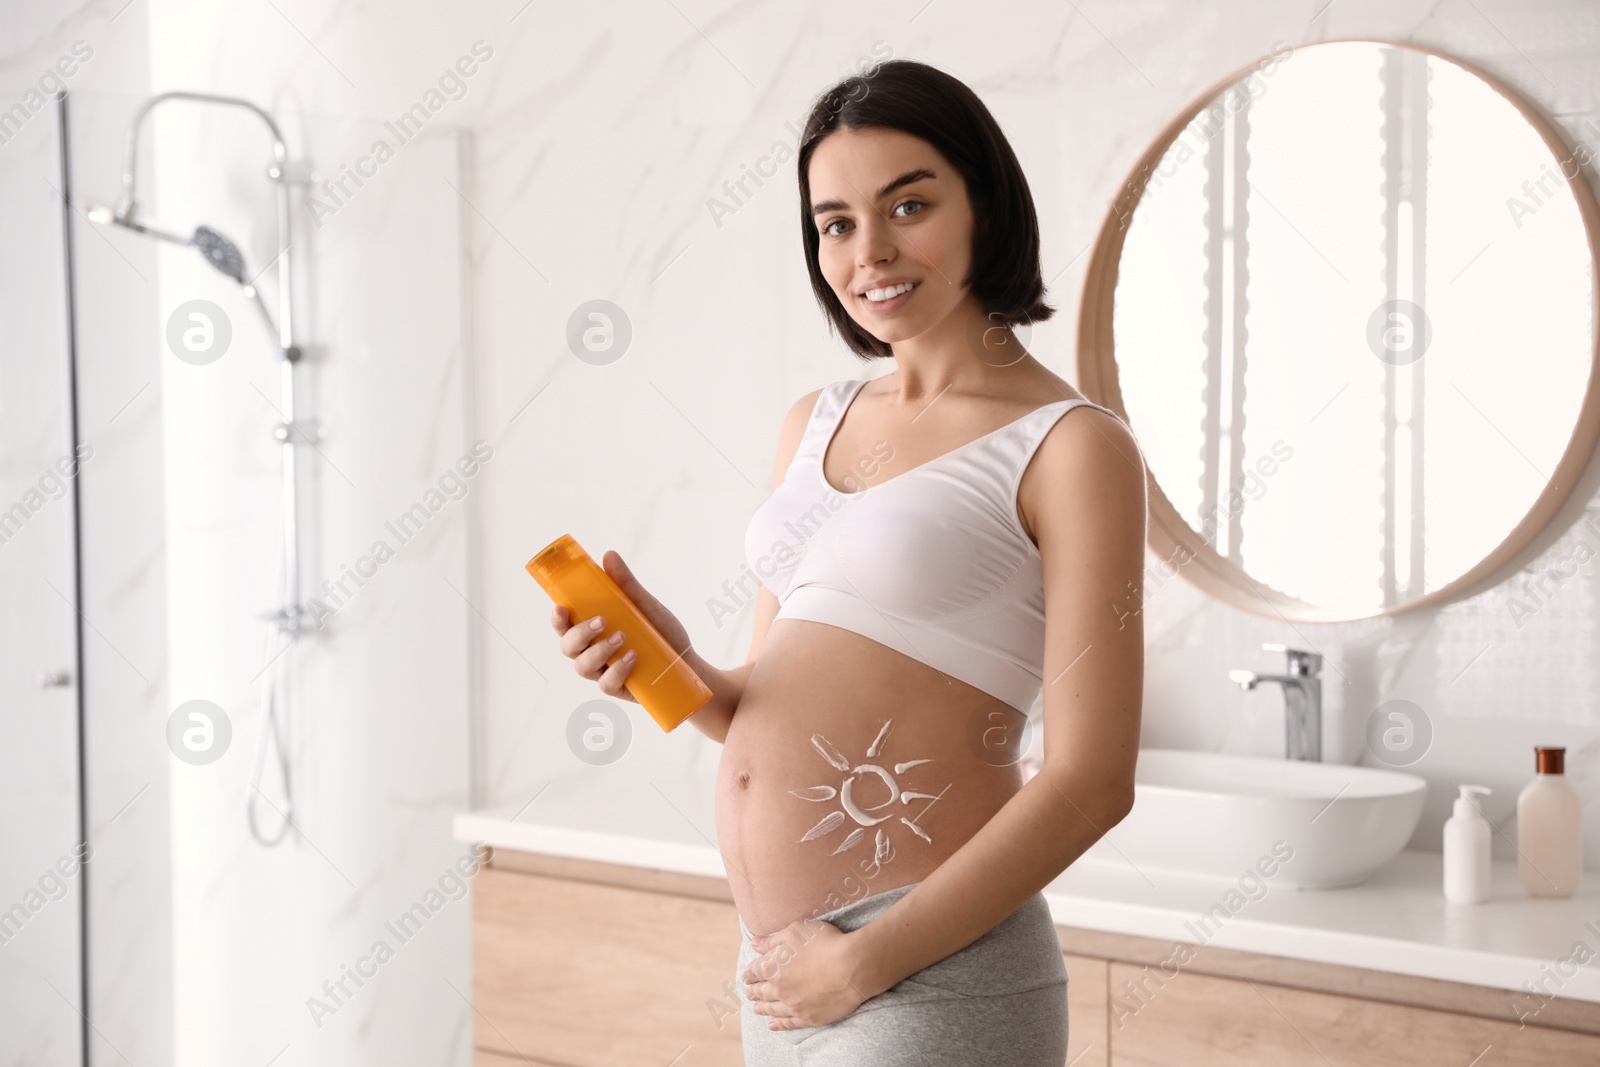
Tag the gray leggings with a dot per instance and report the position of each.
(1000, 1000)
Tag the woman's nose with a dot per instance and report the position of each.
(875, 243)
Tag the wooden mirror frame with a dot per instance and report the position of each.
(1170, 536)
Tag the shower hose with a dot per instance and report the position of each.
(274, 716)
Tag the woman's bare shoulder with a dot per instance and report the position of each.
(791, 433)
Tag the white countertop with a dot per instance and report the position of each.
(1397, 921)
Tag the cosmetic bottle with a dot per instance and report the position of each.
(1466, 849)
(663, 684)
(1549, 829)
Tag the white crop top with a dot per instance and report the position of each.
(931, 562)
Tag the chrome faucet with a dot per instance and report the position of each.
(1302, 700)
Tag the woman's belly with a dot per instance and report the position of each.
(850, 769)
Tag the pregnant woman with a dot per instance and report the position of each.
(944, 544)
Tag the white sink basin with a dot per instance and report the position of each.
(1208, 815)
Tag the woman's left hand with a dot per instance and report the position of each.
(804, 975)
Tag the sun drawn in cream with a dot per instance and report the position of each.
(864, 817)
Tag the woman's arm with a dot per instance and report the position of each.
(727, 687)
(1087, 506)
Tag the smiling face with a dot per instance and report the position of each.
(890, 209)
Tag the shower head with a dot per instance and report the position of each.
(220, 252)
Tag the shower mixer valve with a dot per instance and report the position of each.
(294, 172)
(307, 430)
(288, 617)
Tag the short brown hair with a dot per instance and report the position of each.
(926, 102)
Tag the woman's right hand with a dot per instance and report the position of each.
(589, 646)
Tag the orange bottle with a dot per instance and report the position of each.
(662, 683)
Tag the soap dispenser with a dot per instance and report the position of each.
(1466, 849)
(1549, 829)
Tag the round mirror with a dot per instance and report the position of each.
(1347, 304)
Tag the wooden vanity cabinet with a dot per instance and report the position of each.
(1202, 1019)
(584, 964)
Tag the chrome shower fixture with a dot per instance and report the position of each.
(283, 172)
(220, 252)
(106, 217)
(288, 619)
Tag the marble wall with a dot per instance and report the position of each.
(672, 444)
(604, 138)
(375, 702)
